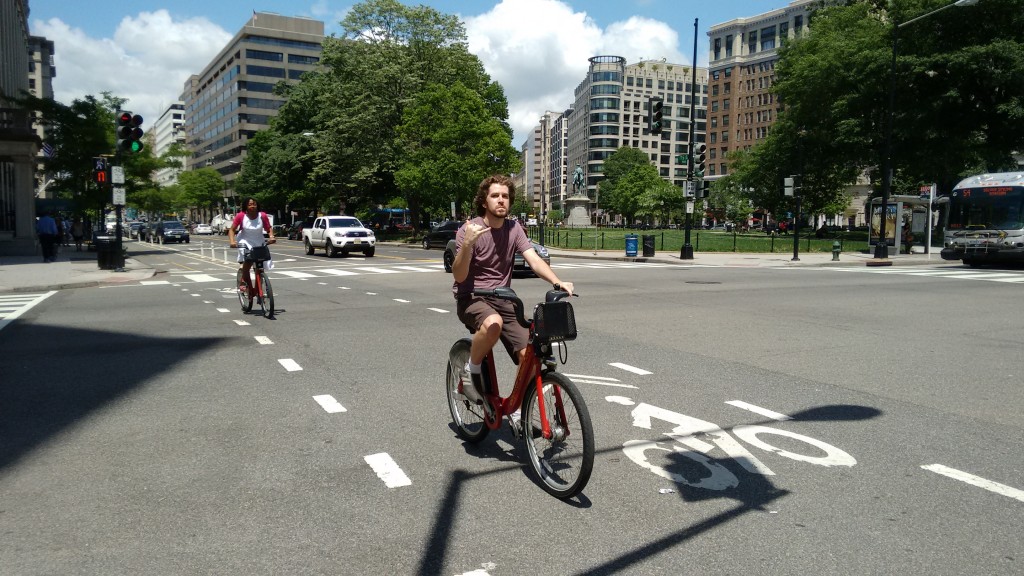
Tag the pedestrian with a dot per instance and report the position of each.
(46, 228)
(78, 233)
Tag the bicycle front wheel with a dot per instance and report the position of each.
(268, 294)
(563, 462)
(467, 416)
(243, 292)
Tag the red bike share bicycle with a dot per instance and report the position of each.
(555, 423)
(263, 293)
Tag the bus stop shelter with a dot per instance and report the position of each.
(915, 212)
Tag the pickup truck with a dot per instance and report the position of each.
(338, 234)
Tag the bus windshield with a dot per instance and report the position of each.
(987, 208)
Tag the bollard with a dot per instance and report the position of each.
(836, 249)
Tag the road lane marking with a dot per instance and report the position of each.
(329, 404)
(202, 278)
(438, 310)
(387, 470)
(153, 282)
(344, 287)
(14, 305)
(400, 300)
(263, 340)
(223, 310)
(290, 274)
(371, 293)
(290, 365)
(378, 270)
(415, 268)
(978, 481)
(241, 323)
(336, 272)
(207, 301)
(758, 410)
(629, 368)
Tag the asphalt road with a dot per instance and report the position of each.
(768, 421)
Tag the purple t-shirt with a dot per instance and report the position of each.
(493, 255)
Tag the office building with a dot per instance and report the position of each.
(19, 142)
(610, 111)
(233, 97)
(169, 129)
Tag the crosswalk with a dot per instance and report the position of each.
(1008, 277)
(313, 272)
(14, 305)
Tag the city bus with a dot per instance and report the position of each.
(985, 221)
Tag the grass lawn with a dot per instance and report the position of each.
(701, 240)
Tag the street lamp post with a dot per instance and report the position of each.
(882, 246)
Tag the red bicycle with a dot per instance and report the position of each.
(555, 423)
(263, 293)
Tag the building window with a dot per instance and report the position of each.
(300, 59)
(751, 42)
(783, 30)
(768, 38)
(650, 84)
(798, 25)
(728, 46)
(629, 80)
(718, 48)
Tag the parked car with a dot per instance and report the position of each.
(203, 229)
(133, 229)
(170, 231)
(295, 230)
(520, 264)
(439, 237)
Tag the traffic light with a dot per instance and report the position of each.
(705, 188)
(129, 132)
(788, 185)
(655, 111)
(699, 158)
(100, 173)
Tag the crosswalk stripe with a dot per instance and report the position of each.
(202, 278)
(416, 268)
(26, 301)
(336, 272)
(378, 270)
(291, 274)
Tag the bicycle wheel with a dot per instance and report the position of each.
(243, 292)
(467, 416)
(563, 462)
(268, 294)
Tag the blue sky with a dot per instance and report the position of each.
(537, 49)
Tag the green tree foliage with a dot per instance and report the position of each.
(631, 184)
(448, 139)
(203, 188)
(353, 106)
(958, 108)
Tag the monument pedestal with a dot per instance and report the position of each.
(578, 212)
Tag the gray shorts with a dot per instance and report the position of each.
(472, 310)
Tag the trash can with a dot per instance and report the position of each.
(648, 245)
(106, 248)
(631, 240)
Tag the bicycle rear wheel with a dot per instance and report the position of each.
(268, 294)
(243, 292)
(562, 463)
(467, 416)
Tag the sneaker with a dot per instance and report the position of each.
(516, 424)
(472, 387)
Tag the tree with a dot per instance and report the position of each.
(203, 188)
(628, 175)
(448, 139)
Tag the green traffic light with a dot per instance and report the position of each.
(136, 146)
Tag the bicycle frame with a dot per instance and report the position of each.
(529, 368)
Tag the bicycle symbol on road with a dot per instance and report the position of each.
(694, 439)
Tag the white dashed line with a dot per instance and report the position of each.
(194, 295)
(241, 322)
(329, 404)
(371, 293)
(263, 340)
(629, 368)
(292, 274)
(758, 410)
(438, 310)
(336, 272)
(223, 310)
(202, 278)
(153, 282)
(387, 470)
(978, 481)
(400, 300)
(290, 365)
(207, 301)
(378, 270)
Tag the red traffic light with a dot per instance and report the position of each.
(124, 119)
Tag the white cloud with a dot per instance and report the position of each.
(539, 51)
(147, 61)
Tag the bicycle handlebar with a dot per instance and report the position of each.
(506, 293)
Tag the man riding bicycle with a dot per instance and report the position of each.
(250, 225)
(485, 253)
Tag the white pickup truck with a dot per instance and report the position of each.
(338, 234)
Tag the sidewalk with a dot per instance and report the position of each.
(753, 260)
(71, 270)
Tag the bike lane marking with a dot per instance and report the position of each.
(599, 380)
(1001, 489)
(387, 470)
(629, 368)
(12, 306)
(438, 310)
(263, 340)
(758, 410)
(289, 364)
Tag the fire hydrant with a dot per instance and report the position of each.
(836, 249)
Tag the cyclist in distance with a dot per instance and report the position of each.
(250, 224)
(485, 253)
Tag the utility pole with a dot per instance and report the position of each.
(686, 252)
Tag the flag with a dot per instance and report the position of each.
(48, 150)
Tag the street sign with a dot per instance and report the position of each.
(117, 175)
(118, 196)
(689, 206)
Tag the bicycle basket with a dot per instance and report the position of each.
(554, 322)
(258, 254)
